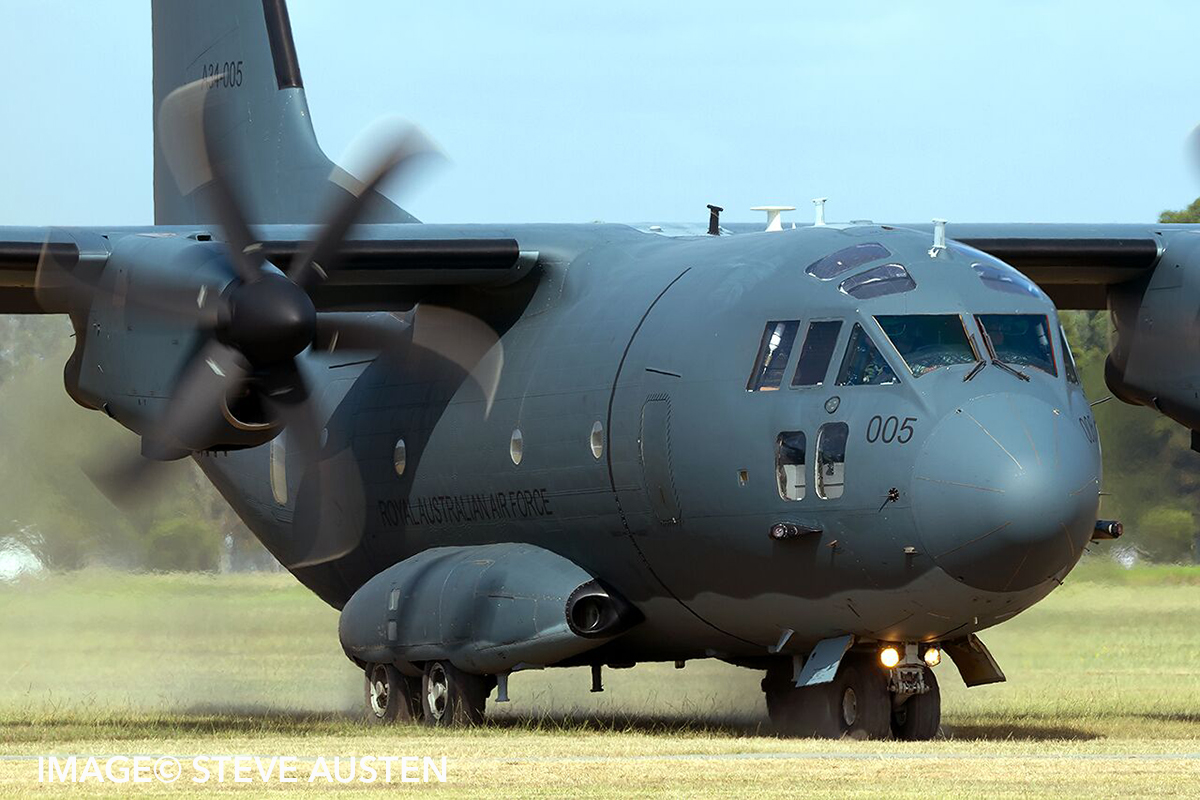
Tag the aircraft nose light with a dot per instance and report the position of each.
(1005, 492)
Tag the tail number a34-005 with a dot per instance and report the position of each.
(226, 75)
(890, 429)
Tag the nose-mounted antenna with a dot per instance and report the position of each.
(773, 221)
(819, 210)
(939, 238)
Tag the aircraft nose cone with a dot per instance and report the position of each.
(1005, 492)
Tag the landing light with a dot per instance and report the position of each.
(889, 657)
(933, 656)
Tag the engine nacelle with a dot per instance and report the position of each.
(486, 609)
(1155, 360)
(128, 355)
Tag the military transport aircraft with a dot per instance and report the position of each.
(832, 452)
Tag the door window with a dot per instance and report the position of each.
(790, 452)
(831, 460)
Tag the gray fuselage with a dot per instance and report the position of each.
(960, 497)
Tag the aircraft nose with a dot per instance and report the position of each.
(1005, 492)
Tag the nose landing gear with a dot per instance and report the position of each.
(863, 701)
(917, 717)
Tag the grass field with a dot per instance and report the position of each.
(1103, 698)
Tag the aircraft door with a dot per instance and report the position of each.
(655, 446)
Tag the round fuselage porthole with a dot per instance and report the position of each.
(399, 456)
(516, 446)
(597, 440)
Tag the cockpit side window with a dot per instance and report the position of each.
(791, 450)
(1020, 340)
(831, 460)
(817, 352)
(928, 341)
(847, 259)
(879, 281)
(773, 355)
(1068, 357)
(863, 364)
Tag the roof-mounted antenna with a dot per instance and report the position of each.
(939, 238)
(819, 203)
(714, 220)
(773, 212)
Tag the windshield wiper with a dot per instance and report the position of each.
(975, 370)
(1010, 369)
(987, 339)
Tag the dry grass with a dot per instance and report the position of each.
(1103, 698)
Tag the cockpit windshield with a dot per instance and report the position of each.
(928, 341)
(1021, 340)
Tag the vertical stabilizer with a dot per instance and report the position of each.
(244, 48)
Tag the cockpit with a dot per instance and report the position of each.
(923, 342)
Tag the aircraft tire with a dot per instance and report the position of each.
(855, 704)
(919, 718)
(391, 696)
(451, 697)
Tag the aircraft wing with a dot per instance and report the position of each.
(378, 257)
(1073, 263)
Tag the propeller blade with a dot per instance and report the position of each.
(200, 392)
(56, 284)
(328, 520)
(286, 395)
(245, 251)
(314, 264)
(129, 481)
(190, 122)
(465, 340)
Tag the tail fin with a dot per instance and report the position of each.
(245, 48)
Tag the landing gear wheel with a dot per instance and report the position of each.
(391, 697)
(856, 704)
(450, 696)
(919, 717)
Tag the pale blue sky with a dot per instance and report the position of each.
(624, 111)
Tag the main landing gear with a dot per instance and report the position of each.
(865, 700)
(444, 695)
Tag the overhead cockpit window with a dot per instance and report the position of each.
(1019, 340)
(847, 259)
(878, 281)
(1068, 357)
(1004, 278)
(929, 341)
(863, 364)
(816, 353)
(831, 460)
(773, 355)
(791, 448)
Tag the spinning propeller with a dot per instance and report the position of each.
(253, 331)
